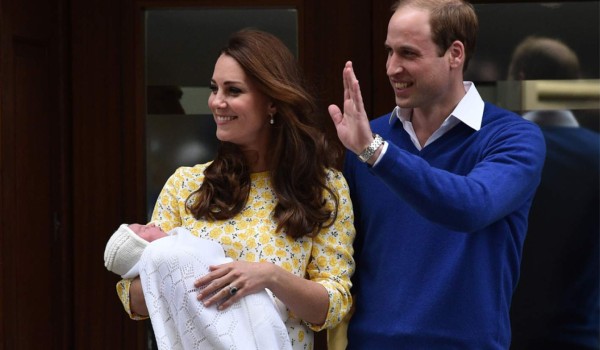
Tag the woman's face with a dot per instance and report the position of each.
(240, 110)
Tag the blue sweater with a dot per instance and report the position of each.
(440, 233)
(556, 301)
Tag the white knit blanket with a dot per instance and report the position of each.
(168, 268)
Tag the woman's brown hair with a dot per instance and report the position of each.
(300, 153)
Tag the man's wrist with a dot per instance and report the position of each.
(371, 149)
(378, 154)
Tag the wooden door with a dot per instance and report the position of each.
(35, 287)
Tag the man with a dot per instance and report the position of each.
(441, 192)
(555, 305)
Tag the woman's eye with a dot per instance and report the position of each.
(213, 88)
(235, 91)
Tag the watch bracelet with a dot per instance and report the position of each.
(368, 152)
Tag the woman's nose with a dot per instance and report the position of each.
(216, 100)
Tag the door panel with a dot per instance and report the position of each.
(31, 245)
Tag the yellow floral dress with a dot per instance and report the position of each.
(250, 236)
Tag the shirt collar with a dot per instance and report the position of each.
(469, 110)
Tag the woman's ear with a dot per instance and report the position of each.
(272, 109)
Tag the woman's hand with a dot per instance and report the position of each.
(231, 281)
(137, 302)
(228, 283)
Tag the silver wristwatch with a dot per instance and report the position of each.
(370, 151)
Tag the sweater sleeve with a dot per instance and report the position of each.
(332, 263)
(505, 174)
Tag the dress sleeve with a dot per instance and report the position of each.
(123, 293)
(170, 202)
(332, 264)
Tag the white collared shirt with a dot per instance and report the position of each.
(469, 111)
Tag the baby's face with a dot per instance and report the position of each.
(148, 232)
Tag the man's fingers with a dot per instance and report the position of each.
(352, 88)
(335, 113)
(356, 96)
(345, 72)
(347, 79)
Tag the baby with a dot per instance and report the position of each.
(125, 247)
(168, 264)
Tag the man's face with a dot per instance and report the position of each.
(419, 76)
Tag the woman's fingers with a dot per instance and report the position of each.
(218, 285)
(226, 296)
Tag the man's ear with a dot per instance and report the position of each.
(456, 53)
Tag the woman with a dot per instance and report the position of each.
(271, 197)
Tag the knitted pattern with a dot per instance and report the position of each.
(168, 269)
(123, 250)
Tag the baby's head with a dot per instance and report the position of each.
(123, 250)
(125, 246)
(148, 232)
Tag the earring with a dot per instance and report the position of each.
(272, 121)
